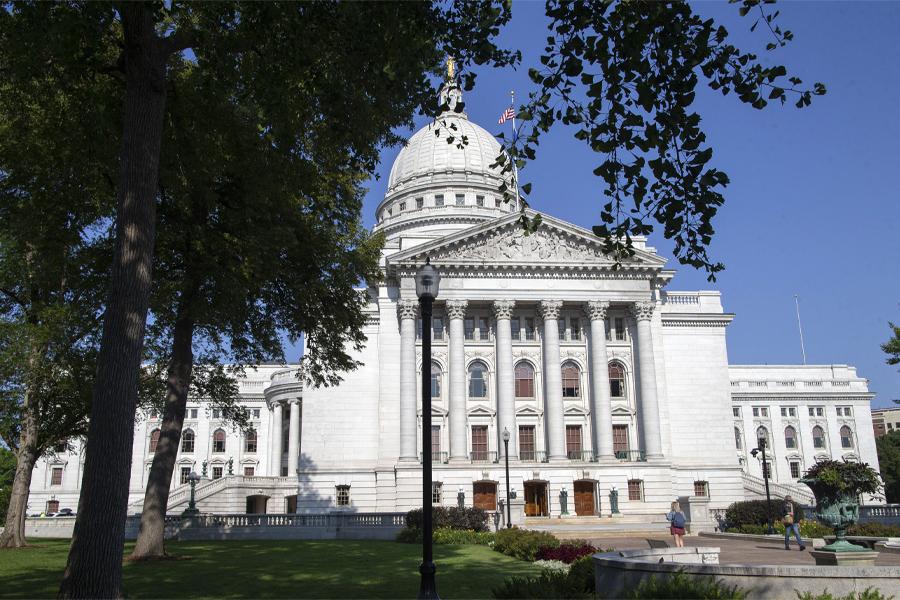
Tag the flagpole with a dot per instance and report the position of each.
(512, 103)
(800, 327)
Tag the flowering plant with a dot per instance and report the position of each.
(567, 553)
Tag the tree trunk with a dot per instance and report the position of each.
(94, 568)
(13, 535)
(150, 542)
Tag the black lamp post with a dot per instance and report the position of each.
(427, 281)
(765, 469)
(191, 510)
(506, 452)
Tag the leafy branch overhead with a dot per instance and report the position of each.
(624, 75)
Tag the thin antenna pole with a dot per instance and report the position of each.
(512, 103)
(800, 327)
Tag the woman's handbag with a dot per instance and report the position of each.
(788, 519)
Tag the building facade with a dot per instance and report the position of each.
(608, 383)
(885, 420)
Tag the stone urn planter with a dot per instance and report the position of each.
(837, 486)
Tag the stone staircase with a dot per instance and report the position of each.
(799, 492)
(598, 527)
(207, 488)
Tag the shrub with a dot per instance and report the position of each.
(581, 574)
(567, 552)
(474, 519)
(874, 530)
(832, 479)
(462, 536)
(522, 543)
(549, 584)
(808, 529)
(685, 587)
(408, 535)
(754, 512)
(867, 594)
(552, 565)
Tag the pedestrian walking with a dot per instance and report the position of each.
(677, 521)
(790, 524)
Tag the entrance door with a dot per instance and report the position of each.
(535, 499)
(584, 498)
(485, 494)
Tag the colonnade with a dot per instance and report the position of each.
(276, 448)
(549, 310)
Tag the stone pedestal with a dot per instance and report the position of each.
(516, 512)
(844, 559)
(696, 510)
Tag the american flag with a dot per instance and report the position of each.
(509, 113)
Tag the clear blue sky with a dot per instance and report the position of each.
(812, 208)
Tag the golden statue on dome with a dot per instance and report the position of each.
(451, 68)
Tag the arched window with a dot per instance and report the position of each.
(154, 440)
(187, 440)
(571, 380)
(818, 437)
(219, 440)
(435, 380)
(616, 380)
(524, 380)
(478, 380)
(250, 442)
(737, 438)
(846, 437)
(762, 437)
(790, 437)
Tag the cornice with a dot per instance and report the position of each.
(817, 397)
(696, 319)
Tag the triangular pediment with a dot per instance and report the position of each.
(555, 244)
(622, 411)
(528, 411)
(480, 411)
(573, 411)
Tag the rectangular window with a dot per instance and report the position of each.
(420, 202)
(52, 506)
(217, 472)
(575, 328)
(437, 489)
(514, 327)
(435, 442)
(795, 469)
(816, 411)
(635, 490)
(342, 495)
(250, 443)
(439, 200)
(216, 413)
(840, 411)
(193, 413)
(484, 329)
(403, 206)
(755, 411)
(437, 327)
(526, 442)
(469, 328)
(783, 411)
(573, 441)
(249, 471)
(479, 442)
(736, 411)
(561, 325)
(56, 476)
(620, 438)
(620, 329)
(760, 411)
(255, 413)
(529, 328)
(700, 489)
(460, 199)
(608, 330)
(848, 411)
(479, 200)
(185, 473)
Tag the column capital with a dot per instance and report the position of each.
(642, 311)
(549, 309)
(596, 309)
(456, 309)
(407, 309)
(503, 309)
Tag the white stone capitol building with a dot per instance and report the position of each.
(604, 378)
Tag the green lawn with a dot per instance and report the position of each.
(274, 569)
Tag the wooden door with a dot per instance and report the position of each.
(485, 495)
(584, 498)
(535, 499)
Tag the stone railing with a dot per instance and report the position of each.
(286, 375)
(887, 514)
(682, 298)
(800, 493)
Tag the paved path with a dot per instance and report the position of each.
(742, 552)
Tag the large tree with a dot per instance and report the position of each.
(892, 346)
(7, 472)
(888, 447)
(241, 219)
(56, 170)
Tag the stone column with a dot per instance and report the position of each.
(408, 309)
(294, 438)
(506, 380)
(601, 403)
(456, 312)
(649, 407)
(553, 402)
(277, 422)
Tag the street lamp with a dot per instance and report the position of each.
(427, 282)
(191, 510)
(765, 469)
(506, 452)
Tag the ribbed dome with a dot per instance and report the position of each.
(428, 153)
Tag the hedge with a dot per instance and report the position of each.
(474, 519)
(754, 512)
(522, 543)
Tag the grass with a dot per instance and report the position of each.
(274, 569)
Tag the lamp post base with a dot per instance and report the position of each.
(428, 587)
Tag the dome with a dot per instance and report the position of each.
(427, 153)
